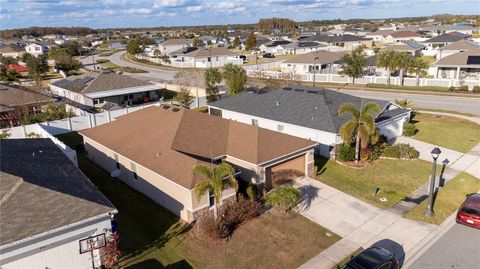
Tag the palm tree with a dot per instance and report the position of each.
(212, 78)
(9, 75)
(402, 61)
(361, 125)
(419, 67)
(386, 59)
(216, 180)
(353, 64)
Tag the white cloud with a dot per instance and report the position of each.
(138, 11)
(169, 3)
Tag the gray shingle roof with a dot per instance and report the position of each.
(308, 107)
(42, 190)
(98, 82)
(445, 38)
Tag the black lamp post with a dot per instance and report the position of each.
(435, 153)
(314, 67)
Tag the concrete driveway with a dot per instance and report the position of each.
(357, 222)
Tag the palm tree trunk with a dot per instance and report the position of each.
(388, 76)
(215, 212)
(402, 70)
(357, 148)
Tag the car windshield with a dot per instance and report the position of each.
(472, 205)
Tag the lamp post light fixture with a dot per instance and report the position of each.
(435, 153)
(314, 67)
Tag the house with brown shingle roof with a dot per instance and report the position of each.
(171, 45)
(461, 65)
(321, 60)
(12, 50)
(95, 90)
(155, 149)
(455, 47)
(399, 36)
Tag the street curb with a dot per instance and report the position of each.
(420, 248)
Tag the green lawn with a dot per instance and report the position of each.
(395, 178)
(152, 237)
(449, 199)
(429, 59)
(449, 132)
(448, 111)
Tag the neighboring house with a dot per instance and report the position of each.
(36, 49)
(456, 47)
(400, 36)
(445, 29)
(12, 50)
(155, 149)
(309, 113)
(171, 45)
(407, 46)
(48, 205)
(372, 69)
(299, 47)
(207, 40)
(22, 70)
(18, 103)
(99, 90)
(379, 35)
(207, 57)
(443, 40)
(345, 42)
(460, 65)
(324, 62)
(271, 47)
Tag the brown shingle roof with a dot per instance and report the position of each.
(176, 42)
(11, 49)
(11, 96)
(400, 34)
(462, 45)
(172, 143)
(98, 82)
(324, 57)
(460, 59)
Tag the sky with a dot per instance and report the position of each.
(153, 13)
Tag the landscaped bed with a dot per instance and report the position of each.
(395, 178)
(448, 200)
(413, 88)
(449, 132)
(152, 237)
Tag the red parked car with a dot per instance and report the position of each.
(469, 212)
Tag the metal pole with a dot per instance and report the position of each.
(93, 261)
(93, 58)
(314, 65)
(429, 212)
(256, 60)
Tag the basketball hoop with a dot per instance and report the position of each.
(92, 243)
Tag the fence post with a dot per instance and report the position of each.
(24, 131)
(70, 124)
(109, 116)
(126, 110)
(89, 121)
(94, 120)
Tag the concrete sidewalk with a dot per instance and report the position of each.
(358, 223)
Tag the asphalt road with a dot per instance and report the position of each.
(154, 74)
(459, 248)
(460, 104)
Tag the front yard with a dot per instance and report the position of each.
(448, 200)
(152, 237)
(395, 178)
(449, 132)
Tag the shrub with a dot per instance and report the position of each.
(409, 129)
(404, 151)
(476, 89)
(345, 153)
(233, 214)
(101, 61)
(284, 198)
(463, 88)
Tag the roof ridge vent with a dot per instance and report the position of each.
(165, 107)
(175, 109)
(278, 103)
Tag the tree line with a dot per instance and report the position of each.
(267, 25)
(41, 31)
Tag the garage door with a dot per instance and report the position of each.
(285, 172)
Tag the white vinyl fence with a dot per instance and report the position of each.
(262, 66)
(336, 78)
(70, 124)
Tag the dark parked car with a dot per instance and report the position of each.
(243, 57)
(469, 212)
(373, 258)
(268, 55)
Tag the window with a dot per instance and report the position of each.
(133, 167)
(209, 59)
(386, 265)
(115, 157)
(216, 112)
(280, 128)
(255, 122)
(211, 198)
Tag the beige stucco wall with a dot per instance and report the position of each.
(174, 197)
